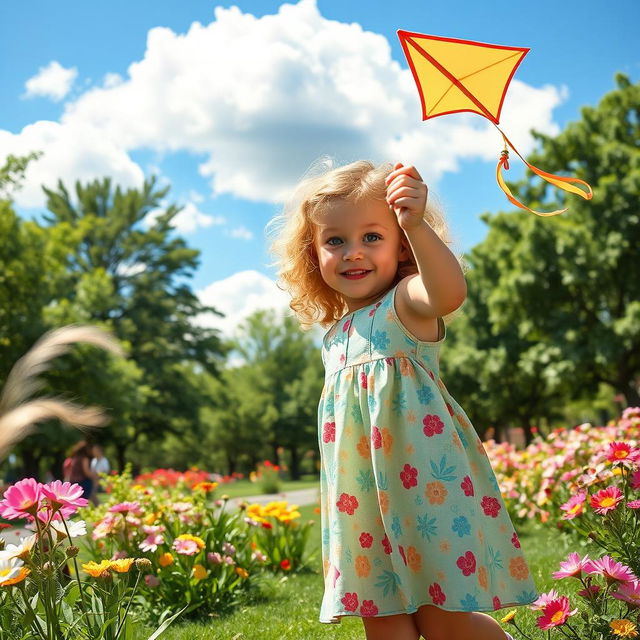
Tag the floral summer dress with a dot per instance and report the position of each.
(410, 507)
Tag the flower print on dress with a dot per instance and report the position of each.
(388, 581)
(425, 394)
(347, 504)
(365, 480)
(490, 506)
(427, 526)
(409, 476)
(461, 526)
(380, 340)
(329, 432)
(350, 601)
(396, 527)
(433, 425)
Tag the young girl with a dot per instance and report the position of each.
(416, 539)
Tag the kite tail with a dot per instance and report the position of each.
(562, 182)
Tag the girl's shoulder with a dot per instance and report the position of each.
(418, 327)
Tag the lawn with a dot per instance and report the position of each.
(241, 488)
(292, 612)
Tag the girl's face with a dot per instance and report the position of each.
(359, 237)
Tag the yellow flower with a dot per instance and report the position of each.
(165, 560)
(624, 628)
(509, 617)
(122, 565)
(151, 518)
(243, 573)
(199, 572)
(98, 570)
(205, 486)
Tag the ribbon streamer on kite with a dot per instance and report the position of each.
(462, 75)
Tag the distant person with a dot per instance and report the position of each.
(77, 467)
(99, 464)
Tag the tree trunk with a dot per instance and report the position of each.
(120, 455)
(231, 464)
(30, 464)
(631, 394)
(294, 469)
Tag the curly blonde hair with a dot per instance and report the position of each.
(292, 234)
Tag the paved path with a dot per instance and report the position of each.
(300, 497)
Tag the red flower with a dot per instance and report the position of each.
(267, 525)
(363, 379)
(347, 504)
(401, 550)
(436, 593)
(389, 361)
(376, 438)
(496, 603)
(329, 432)
(467, 486)
(386, 544)
(368, 608)
(366, 540)
(515, 541)
(374, 308)
(432, 425)
(350, 601)
(285, 564)
(490, 506)
(467, 563)
(409, 476)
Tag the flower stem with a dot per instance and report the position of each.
(75, 564)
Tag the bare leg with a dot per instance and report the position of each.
(398, 627)
(438, 624)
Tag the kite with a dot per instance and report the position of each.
(462, 75)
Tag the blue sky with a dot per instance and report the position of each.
(134, 88)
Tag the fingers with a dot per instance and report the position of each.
(399, 169)
(403, 191)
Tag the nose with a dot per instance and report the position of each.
(352, 251)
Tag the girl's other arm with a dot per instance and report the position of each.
(440, 287)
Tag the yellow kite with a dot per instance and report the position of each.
(462, 75)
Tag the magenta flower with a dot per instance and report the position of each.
(572, 567)
(574, 506)
(623, 453)
(606, 500)
(612, 571)
(629, 592)
(21, 500)
(555, 613)
(65, 496)
(634, 504)
(126, 507)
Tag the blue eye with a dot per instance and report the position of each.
(366, 235)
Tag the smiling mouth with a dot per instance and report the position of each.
(356, 272)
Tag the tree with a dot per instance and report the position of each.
(284, 364)
(134, 280)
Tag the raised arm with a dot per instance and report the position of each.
(440, 287)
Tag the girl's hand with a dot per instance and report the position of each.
(407, 194)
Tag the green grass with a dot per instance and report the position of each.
(242, 488)
(292, 612)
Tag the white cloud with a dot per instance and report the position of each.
(52, 81)
(261, 99)
(241, 232)
(191, 218)
(238, 296)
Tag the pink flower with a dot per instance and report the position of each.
(347, 504)
(572, 567)
(574, 506)
(350, 601)
(635, 480)
(363, 379)
(555, 613)
(629, 592)
(623, 453)
(366, 540)
(151, 580)
(409, 476)
(606, 500)
(467, 563)
(490, 506)
(64, 495)
(329, 432)
(126, 507)
(368, 608)
(436, 593)
(185, 546)
(376, 438)
(544, 600)
(214, 557)
(612, 571)
(634, 504)
(432, 425)
(21, 500)
(151, 542)
(467, 486)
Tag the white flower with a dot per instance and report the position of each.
(15, 550)
(76, 528)
(9, 569)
